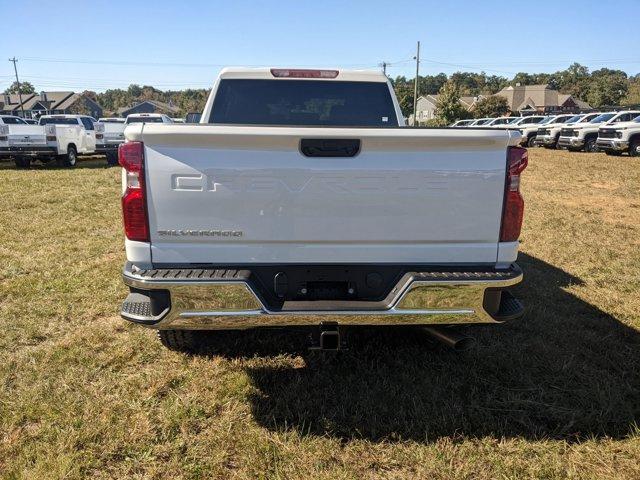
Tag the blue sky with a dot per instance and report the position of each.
(97, 44)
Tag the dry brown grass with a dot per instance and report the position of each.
(556, 395)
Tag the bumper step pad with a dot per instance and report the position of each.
(146, 307)
(510, 308)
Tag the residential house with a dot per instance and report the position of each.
(10, 102)
(426, 106)
(150, 106)
(530, 99)
(46, 103)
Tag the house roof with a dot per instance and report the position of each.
(49, 100)
(520, 96)
(470, 101)
(581, 104)
(157, 104)
(14, 100)
(467, 101)
(430, 98)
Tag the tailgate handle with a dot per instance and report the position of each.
(326, 147)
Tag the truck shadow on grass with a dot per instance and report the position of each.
(567, 371)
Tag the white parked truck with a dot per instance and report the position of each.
(301, 200)
(548, 134)
(463, 123)
(584, 136)
(527, 126)
(69, 136)
(18, 137)
(502, 122)
(110, 138)
(623, 137)
(148, 118)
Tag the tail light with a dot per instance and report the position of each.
(134, 201)
(299, 73)
(513, 209)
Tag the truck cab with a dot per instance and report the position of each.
(462, 123)
(147, 118)
(479, 122)
(501, 122)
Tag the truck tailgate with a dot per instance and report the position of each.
(26, 135)
(231, 194)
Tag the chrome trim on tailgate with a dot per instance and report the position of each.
(224, 299)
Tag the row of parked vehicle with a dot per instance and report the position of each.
(63, 138)
(612, 132)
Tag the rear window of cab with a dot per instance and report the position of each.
(303, 103)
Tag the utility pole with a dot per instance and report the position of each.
(415, 85)
(15, 69)
(384, 67)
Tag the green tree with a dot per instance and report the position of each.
(494, 83)
(607, 89)
(404, 92)
(25, 87)
(493, 106)
(448, 107)
(633, 92)
(431, 84)
(134, 90)
(523, 79)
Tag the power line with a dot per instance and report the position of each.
(169, 64)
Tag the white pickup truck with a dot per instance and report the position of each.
(110, 138)
(584, 136)
(302, 200)
(148, 118)
(69, 136)
(623, 137)
(16, 135)
(549, 133)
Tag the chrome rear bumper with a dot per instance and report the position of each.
(225, 299)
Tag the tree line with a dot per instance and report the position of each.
(602, 87)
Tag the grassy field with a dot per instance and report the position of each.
(555, 395)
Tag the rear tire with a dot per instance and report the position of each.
(22, 162)
(70, 159)
(184, 341)
(634, 147)
(590, 145)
